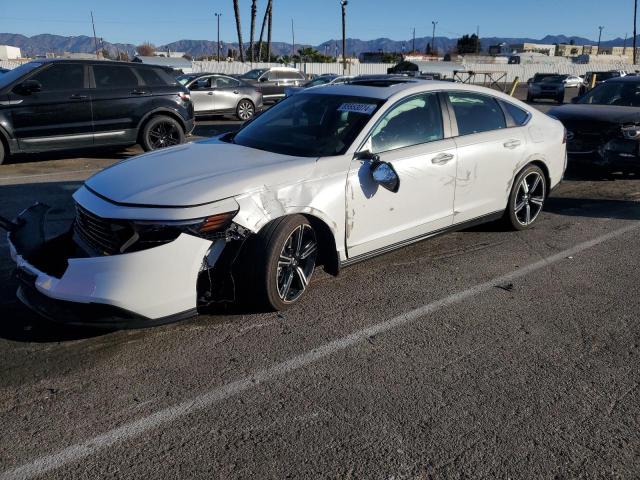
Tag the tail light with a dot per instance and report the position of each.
(184, 96)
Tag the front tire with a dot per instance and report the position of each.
(3, 155)
(245, 110)
(281, 262)
(161, 132)
(527, 198)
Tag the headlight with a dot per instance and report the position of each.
(631, 132)
(154, 232)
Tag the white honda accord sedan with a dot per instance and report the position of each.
(328, 177)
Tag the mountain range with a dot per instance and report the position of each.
(47, 43)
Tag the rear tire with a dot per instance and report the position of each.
(528, 194)
(529, 98)
(560, 100)
(280, 262)
(161, 132)
(3, 155)
(245, 110)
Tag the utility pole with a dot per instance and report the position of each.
(624, 48)
(478, 42)
(599, 38)
(254, 9)
(413, 44)
(95, 39)
(218, 15)
(269, 31)
(293, 41)
(635, 14)
(433, 38)
(344, 3)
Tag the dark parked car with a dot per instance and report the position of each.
(63, 104)
(603, 126)
(546, 85)
(213, 93)
(273, 81)
(600, 77)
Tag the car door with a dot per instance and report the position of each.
(415, 139)
(202, 93)
(226, 94)
(118, 100)
(57, 116)
(269, 86)
(489, 154)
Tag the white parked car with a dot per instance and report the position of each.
(329, 177)
(572, 81)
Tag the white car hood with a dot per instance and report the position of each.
(197, 173)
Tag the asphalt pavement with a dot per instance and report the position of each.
(480, 354)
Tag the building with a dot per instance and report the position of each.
(8, 52)
(499, 49)
(567, 50)
(549, 50)
(186, 66)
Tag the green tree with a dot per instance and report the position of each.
(468, 44)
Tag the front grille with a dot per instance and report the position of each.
(583, 142)
(104, 236)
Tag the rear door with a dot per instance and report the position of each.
(58, 116)
(490, 151)
(226, 94)
(119, 98)
(201, 90)
(270, 87)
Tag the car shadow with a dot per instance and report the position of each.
(98, 153)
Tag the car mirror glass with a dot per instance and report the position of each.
(385, 175)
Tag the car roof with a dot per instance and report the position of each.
(627, 79)
(381, 91)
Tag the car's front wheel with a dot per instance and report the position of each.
(527, 198)
(245, 110)
(161, 132)
(2, 153)
(283, 259)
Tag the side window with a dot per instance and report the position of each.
(61, 76)
(414, 121)
(201, 83)
(225, 82)
(114, 76)
(476, 113)
(270, 76)
(520, 116)
(152, 77)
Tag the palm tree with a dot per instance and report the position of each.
(264, 22)
(269, 31)
(236, 11)
(253, 27)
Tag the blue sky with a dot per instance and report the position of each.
(163, 21)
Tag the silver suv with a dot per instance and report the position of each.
(272, 82)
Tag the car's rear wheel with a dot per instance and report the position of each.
(3, 154)
(560, 99)
(527, 198)
(282, 261)
(529, 98)
(245, 110)
(161, 132)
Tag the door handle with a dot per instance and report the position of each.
(209, 93)
(138, 92)
(511, 144)
(442, 159)
(236, 92)
(77, 96)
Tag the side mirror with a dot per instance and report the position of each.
(264, 78)
(385, 175)
(30, 86)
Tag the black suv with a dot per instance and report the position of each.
(273, 81)
(63, 104)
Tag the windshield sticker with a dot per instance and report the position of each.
(365, 108)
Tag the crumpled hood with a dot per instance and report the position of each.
(597, 114)
(197, 173)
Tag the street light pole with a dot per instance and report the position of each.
(433, 37)
(218, 15)
(599, 38)
(344, 35)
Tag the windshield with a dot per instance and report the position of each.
(254, 74)
(309, 125)
(184, 79)
(601, 76)
(540, 77)
(553, 79)
(318, 81)
(16, 73)
(624, 94)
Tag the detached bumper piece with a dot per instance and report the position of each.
(61, 282)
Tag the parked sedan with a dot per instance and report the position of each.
(572, 81)
(603, 126)
(546, 85)
(220, 94)
(328, 177)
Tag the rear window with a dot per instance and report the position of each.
(114, 76)
(476, 113)
(285, 75)
(519, 115)
(155, 77)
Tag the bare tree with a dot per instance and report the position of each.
(146, 49)
(236, 11)
(253, 28)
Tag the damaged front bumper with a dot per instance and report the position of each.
(620, 148)
(142, 288)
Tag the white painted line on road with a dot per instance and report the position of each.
(55, 174)
(89, 447)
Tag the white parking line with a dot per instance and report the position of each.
(55, 174)
(91, 446)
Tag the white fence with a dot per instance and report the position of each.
(232, 68)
